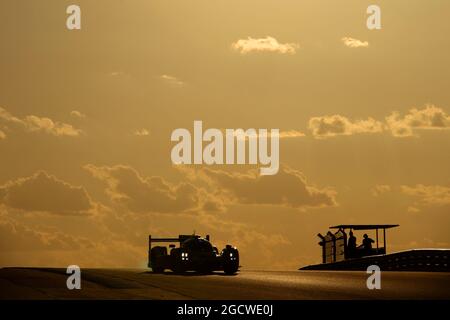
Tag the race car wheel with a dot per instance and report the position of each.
(230, 257)
(158, 270)
(157, 254)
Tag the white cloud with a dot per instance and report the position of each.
(429, 195)
(47, 125)
(126, 187)
(77, 114)
(430, 117)
(116, 73)
(292, 189)
(34, 123)
(330, 126)
(354, 43)
(380, 189)
(281, 135)
(268, 44)
(8, 117)
(413, 209)
(291, 134)
(172, 81)
(141, 132)
(43, 192)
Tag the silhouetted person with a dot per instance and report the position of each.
(351, 244)
(367, 243)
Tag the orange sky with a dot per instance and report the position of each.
(86, 118)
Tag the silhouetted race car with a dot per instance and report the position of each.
(193, 254)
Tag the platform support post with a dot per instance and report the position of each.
(149, 248)
(376, 230)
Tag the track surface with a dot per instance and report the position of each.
(45, 283)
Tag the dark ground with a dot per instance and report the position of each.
(45, 283)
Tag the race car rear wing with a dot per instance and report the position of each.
(181, 238)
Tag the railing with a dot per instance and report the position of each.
(411, 260)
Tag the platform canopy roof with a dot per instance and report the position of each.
(364, 226)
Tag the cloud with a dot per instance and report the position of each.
(430, 117)
(354, 43)
(59, 241)
(288, 188)
(77, 114)
(268, 44)
(335, 125)
(19, 237)
(116, 73)
(172, 81)
(259, 248)
(281, 135)
(34, 123)
(207, 190)
(429, 195)
(413, 209)
(8, 117)
(125, 186)
(2, 135)
(380, 189)
(43, 192)
(141, 132)
(291, 134)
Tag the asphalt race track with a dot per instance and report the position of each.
(47, 283)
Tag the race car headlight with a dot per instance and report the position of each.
(184, 256)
